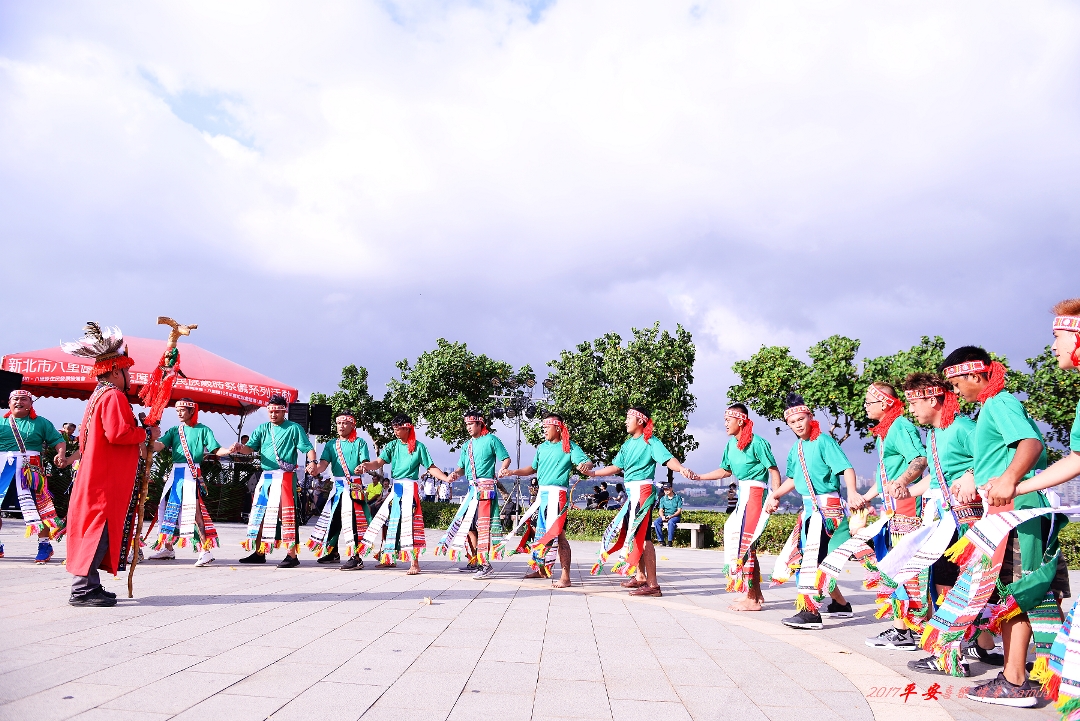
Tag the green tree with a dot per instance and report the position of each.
(447, 381)
(830, 383)
(1052, 396)
(593, 385)
(353, 395)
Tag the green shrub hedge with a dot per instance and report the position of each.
(582, 525)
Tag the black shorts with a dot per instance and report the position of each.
(823, 545)
(944, 572)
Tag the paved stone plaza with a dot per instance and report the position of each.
(254, 642)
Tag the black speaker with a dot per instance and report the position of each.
(8, 382)
(298, 413)
(321, 420)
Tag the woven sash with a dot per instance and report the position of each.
(1065, 665)
(790, 556)
(169, 505)
(540, 527)
(283, 465)
(741, 529)
(631, 522)
(806, 580)
(189, 498)
(265, 509)
(403, 519)
(857, 547)
(452, 544)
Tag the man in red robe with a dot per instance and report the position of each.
(110, 443)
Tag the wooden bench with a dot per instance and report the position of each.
(697, 533)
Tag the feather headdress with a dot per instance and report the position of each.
(104, 345)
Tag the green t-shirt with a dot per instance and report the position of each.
(37, 434)
(954, 450)
(487, 450)
(825, 460)
(901, 446)
(553, 465)
(355, 452)
(668, 506)
(753, 464)
(291, 439)
(638, 459)
(1074, 435)
(404, 464)
(200, 440)
(1001, 425)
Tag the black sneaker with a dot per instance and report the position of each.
(894, 639)
(804, 619)
(254, 558)
(329, 558)
(932, 665)
(838, 610)
(103, 592)
(289, 562)
(94, 598)
(1003, 693)
(471, 568)
(975, 652)
(353, 563)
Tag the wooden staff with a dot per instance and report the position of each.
(140, 506)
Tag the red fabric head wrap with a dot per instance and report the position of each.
(194, 410)
(20, 393)
(1070, 323)
(564, 434)
(644, 419)
(893, 410)
(410, 439)
(746, 431)
(995, 383)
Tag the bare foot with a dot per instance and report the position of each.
(746, 604)
(561, 583)
(413, 571)
(532, 574)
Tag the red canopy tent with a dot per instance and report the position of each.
(216, 384)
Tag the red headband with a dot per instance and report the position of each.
(550, 422)
(410, 440)
(746, 431)
(193, 406)
(644, 419)
(995, 383)
(893, 410)
(1070, 323)
(478, 419)
(815, 427)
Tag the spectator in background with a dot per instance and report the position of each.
(445, 492)
(244, 439)
(619, 498)
(670, 511)
(429, 487)
(600, 500)
(732, 497)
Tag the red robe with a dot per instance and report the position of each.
(104, 483)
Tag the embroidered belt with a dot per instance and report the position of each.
(485, 489)
(900, 523)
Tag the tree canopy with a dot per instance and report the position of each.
(353, 395)
(593, 385)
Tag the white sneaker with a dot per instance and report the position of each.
(205, 559)
(165, 554)
(484, 572)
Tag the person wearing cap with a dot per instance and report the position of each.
(401, 515)
(950, 505)
(636, 462)
(24, 435)
(749, 458)
(816, 466)
(545, 520)
(182, 514)
(478, 516)
(273, 506)
(1032, 577)
(109, 446)
(346, 510)
(901, 462)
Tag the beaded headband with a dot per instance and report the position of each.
(20, 393)
(339, 416)
(927, 392)
(882, 397)
(276, 407)
(966, 368)
(475, 419)
(737, 414)
(1070, 323)
(187, 404)
(794, 410)
(639, 415)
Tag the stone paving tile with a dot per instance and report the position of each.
(246, 642)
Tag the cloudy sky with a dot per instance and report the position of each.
(333, 183)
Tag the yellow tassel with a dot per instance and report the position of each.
(956, 549)
(1040, 671)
